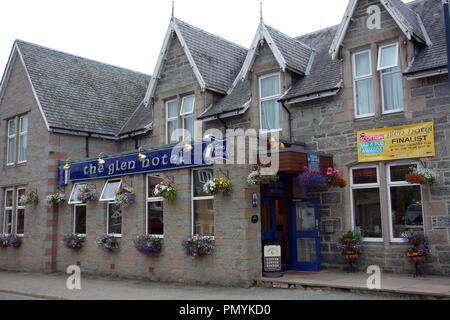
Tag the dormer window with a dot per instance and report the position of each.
(270, 108)
(363, 84)
(186, 116)
(391, 78)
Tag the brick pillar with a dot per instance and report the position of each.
(50, 240)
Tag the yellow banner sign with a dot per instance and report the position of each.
(410, 141)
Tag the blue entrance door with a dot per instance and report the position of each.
(304, 234)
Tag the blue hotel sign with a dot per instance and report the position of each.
(160, 160)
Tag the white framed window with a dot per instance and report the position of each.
(79, 219)
(8, 211)
(405, 201)
(154, 221)
(269, 107)
(187, 116)
(363, 84)
(75, 192)
(365, 202)
(11, 147)
(202, 203)
(171, 121)
(114, 219)
(109, 190)
(390, 78)
(20, 213)
(23, 131)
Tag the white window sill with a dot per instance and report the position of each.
(366, 116)
(161, 236)
(392, 111)
(266, 131)
(373, 240)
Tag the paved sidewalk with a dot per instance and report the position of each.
(431, 286)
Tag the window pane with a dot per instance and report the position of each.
(115, 218)
(187, 105)
(367, 175)
(306, 250)
(189, 127)
(152, 182)
(11, 149)
(11, 127)
(388, 56)
(366, 204)
(362, 64)
(9, 198)
(20, 192)
(172, 109)
(75, 192)
(7, 226)
(200, 177)
(22, 148)
(204, 217)
(270, 86)
(398, 173)
(155, 218)
(20, 221)
(172, 127)
(392, 91)
(110, 189)
(23, 124)
(271, 115)
(80, 220)
(364, 97)
(406, 208)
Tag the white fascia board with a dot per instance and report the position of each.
(32, 88)
(313, 96)
(424, 31)
(8, 69)
(159, 64)
(398, 18)
(194, 67)
(426, 74)
(342, 30)
(229, 114)
(276, 52)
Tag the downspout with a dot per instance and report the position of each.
(289, 120)
(87, 145)
(224, 124)
(136, 144)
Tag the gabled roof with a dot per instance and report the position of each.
(407, 20)
(290, 53)
(214, 61)
(79, 94)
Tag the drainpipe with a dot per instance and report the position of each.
(225, 127)
(289, 120)
(136, 144)
(87, 145)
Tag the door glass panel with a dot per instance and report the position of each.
(305, 216)
(306, 250)
(266, 217)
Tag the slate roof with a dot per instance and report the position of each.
(433, 56)
(81, 94)
(218, 60)
(410, 17)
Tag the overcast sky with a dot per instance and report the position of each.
(130, 33)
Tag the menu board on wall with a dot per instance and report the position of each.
(403, 142)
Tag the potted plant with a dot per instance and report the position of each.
(124, 196)
(146, 243)
(165, 189)
(218, 184)
(5, 240)
(16, 241)
(55, 199)
(108, 242)
(334, 178)
(349, 245)
(28, 199)
(421, 176)
(87, 193)
(198, 245)
(311, 178)
(261, 175)
(419, 249)
(73, 241)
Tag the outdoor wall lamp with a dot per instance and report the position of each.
(100, 160)
(187, 147)
(67, 165)
(141, 156)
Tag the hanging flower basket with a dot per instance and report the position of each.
(334, 178)
(108, 242)
(124, 196)
(28, 199)
(311, 178)
(198, 245)
(73, 241)
(147, 244)
(165, 189)
(5, 240)
(87, 193)
(55, 199)
(421, 176)
(16, 241)
(262, 176)
(218, 184)
(349, 245)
